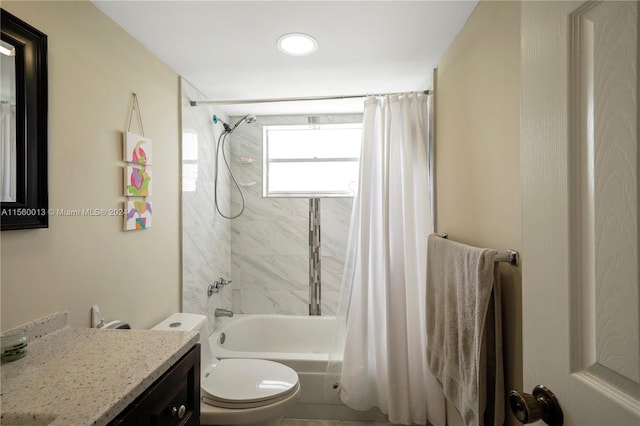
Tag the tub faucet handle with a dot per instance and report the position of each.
(216, 286)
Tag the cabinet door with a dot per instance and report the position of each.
(173, 400)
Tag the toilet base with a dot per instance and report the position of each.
(269, 415)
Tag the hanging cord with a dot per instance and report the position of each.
(223, 137)
(135, 106)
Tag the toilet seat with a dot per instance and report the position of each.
(247, 383)
(210, 415)
(241, 405)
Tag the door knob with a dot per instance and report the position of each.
(540, 404)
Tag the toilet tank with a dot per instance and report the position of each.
(191, 322)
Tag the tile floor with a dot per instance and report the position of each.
(301, 422)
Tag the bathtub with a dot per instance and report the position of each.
(300, 342)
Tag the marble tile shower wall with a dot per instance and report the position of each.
(269, 242)
(206, 237)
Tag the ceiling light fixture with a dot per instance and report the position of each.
(297, 44)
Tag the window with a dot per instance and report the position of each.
(311, 161)
(189, 160)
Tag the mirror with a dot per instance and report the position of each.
(23, 128)
(8, 122)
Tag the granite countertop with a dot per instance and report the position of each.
(86, 376)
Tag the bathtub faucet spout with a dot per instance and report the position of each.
(219, 312)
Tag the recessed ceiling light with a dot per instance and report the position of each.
(297, 44)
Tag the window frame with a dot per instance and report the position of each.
(190, 162)
(302, 194)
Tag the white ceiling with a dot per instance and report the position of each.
(227, 49)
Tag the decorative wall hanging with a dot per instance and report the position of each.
(137, 181)
(137, 149)
(137, 174)
(138, 215)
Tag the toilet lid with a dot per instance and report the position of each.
(247, 381)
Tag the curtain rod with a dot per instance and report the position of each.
(309, 98)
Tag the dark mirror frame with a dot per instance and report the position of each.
(30, 210)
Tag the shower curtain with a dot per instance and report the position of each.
(379, 359)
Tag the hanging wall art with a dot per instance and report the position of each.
(137, 174)
(137, 149)
(137, 181)
(138, 215)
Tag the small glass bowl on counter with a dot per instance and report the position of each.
(13, 345)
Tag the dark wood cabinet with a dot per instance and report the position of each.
(172, 400)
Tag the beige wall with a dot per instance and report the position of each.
(477, 155)
(94, 66)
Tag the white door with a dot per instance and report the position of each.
(579, 162)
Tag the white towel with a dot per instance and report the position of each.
(462, 317)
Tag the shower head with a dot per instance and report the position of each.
(249, 118)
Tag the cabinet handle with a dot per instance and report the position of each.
(179, 411)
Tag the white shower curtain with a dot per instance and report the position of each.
(380, 359)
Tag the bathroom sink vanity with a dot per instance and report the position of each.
(82, 376)
(174, 399)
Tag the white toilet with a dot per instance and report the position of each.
(252, 392)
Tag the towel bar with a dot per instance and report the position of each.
(510, 256)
